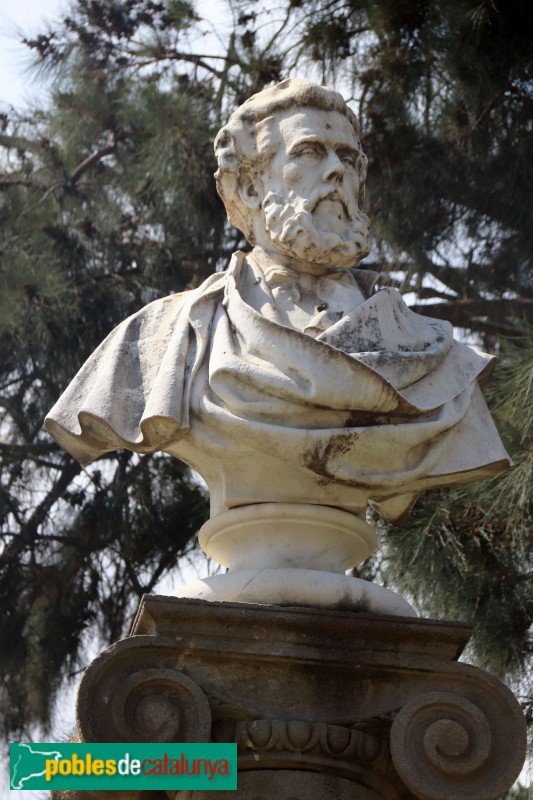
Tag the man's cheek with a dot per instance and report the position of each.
(294, 175)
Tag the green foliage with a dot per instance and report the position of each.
(444, 92)
(467, 553)
(107, 201)
(519, 792)
(108, 543)
(444, 96)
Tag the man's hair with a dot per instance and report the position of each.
(245, 144)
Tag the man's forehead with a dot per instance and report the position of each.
(315, 123)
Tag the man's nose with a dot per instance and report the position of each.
(333, 168)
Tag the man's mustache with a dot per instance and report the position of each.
(331, 194)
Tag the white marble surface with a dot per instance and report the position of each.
(288, 379)
(298, 587)
(279, 535)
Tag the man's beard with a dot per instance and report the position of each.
(291, 227)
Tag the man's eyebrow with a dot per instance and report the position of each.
(312, 138)
(347, 146)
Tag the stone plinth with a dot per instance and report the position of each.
(323, 704)
(291, 554)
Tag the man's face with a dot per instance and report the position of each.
(310, 189)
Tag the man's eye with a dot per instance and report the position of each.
(309, 152)
(348, 159)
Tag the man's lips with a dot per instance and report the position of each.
(334, 197)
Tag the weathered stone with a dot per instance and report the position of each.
(286, 379)
(300, 553)
(319, 702)
(117, 795)
(301, 396)
(294, 785)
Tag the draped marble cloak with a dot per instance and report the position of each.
(380, 406)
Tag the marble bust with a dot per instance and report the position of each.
(299, 392)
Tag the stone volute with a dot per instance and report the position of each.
(322, 704)
(303, 396)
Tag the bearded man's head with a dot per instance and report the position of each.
(291, 173)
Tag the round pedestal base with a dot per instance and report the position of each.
(298, 587)
(274, 535)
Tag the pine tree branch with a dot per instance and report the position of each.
(81, 169)
(491, 316)
(70, 470)
(451, 276)
(28, 449)
(165, 563)
(132, 574)
(13, 407)
(29, 530)
(6, 182)
(199, 61)
(93, 158)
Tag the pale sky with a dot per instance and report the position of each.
(18, 18)
(24, 17)
(18, 87)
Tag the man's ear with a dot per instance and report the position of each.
(250, 191)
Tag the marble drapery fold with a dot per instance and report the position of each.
(376, 407)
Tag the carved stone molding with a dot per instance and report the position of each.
(269, 744)
(444, 747)
(125, 697)
(316, 697)
(302, 736)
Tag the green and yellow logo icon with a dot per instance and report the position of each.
(115, 766)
